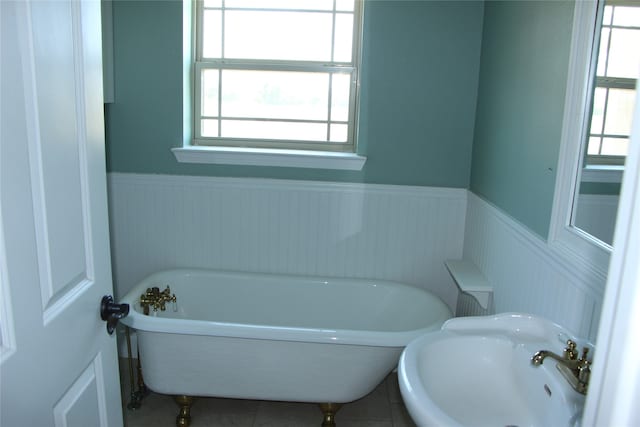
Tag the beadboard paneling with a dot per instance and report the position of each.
(397, 233)
(525, 275)
(468, 306)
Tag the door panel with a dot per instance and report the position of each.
(55, 147)
(82, 404)
(61, 367)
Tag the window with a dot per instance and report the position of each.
(277, 74)
(617, 69)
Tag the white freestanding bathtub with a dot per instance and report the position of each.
(268, 337)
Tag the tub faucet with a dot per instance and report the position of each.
(156, 299)
(573, 369)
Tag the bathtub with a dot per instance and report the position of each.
(271, 337)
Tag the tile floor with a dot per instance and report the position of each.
(383, 407)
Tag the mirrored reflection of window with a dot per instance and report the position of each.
(615, 61)
(617, 72)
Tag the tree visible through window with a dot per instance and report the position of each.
(277, 73)
(617, 69)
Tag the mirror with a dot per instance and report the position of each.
(615, 69)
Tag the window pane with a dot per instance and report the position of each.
(342, 47)
(627, 16)
(597, 117)
(212, 34)
(209, 92)
(340, 89)
(606, 18)
(261, 71)
(593, 148)
(624, 54)
(209, 128)
(615, 146)
(602, 55)
(345, 5)
(281, 4)
(619, 112)
(339, 133)
(301, 36)
(275, 94)
(274, 130)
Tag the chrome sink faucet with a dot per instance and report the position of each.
(575, 370)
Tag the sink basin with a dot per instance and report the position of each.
(477, 371)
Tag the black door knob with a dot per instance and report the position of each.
(111, 312)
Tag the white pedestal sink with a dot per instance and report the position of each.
(477, 371)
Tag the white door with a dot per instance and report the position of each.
(58, 364)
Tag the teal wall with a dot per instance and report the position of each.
(420, 70)
(523, 73)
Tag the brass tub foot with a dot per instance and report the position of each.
(329, 413)
(184, 417)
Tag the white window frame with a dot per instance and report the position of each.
(325, 155)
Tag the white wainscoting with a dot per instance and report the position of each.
(468, 305)
(397, 233)
(525, 274)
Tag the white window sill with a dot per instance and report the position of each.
(269, 157)
(602, 173)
